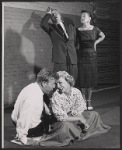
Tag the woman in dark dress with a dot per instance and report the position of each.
(88, 36)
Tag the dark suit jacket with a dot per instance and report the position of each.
(60, 45)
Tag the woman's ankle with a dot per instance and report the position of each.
(89, 106)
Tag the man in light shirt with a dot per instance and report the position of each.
(29, 105)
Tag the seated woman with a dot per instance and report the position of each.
(73, 122)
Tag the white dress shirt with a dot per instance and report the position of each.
(28, 110)
(63, 27)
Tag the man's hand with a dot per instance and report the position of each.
(86, 126)
(47, 110)
(49, 10)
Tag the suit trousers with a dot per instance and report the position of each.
(36, 131)
(68, 67)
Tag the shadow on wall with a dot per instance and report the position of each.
(68, 19)
(32, 31)
(17, 71)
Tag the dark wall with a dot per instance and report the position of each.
(107, 18)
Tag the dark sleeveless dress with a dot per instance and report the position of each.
(87, 57)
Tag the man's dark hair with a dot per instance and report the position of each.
(88, 12)
(45, 74)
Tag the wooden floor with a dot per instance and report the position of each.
(106, 102)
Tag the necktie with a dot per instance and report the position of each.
(60, 28)
(63, 31)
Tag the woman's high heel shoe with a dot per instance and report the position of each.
(89, 107)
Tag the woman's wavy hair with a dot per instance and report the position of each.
(70, 79)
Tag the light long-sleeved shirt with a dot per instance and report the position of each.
(62, 105)
(27, 110)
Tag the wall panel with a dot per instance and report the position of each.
(107, 18)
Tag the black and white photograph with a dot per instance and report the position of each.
(61, 74)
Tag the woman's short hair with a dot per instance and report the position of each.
(88, 12)
(70, 79)
(45, 75)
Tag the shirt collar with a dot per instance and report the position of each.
(37, 85)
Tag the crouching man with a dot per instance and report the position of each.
(29, 106)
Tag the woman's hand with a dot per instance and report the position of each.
(83, 121)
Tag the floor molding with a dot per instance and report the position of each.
(108, 88)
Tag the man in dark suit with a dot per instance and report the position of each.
(63, 35)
